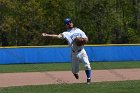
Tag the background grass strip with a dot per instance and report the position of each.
(65, 66)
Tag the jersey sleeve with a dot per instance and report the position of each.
(60, 36)
(84, 35)
(64, 35)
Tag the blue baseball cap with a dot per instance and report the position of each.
(67, 20)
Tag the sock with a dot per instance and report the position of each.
(88, 73)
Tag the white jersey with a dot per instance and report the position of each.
(71, 34)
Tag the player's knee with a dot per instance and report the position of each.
(87, 67)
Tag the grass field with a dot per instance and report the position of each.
(65, 66)
(102, 87)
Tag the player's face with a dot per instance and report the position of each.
(69, 25)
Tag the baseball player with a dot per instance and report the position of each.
(78, 52)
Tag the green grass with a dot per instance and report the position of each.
(104, 87)
(64, 66)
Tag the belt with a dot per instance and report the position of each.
(76, 50)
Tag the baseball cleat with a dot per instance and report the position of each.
(76, 76)
(88, 81)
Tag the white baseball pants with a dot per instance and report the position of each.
(76, 58)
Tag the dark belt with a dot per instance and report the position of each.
(76, 50)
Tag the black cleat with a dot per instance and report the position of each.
(88, 81)
(76, 76)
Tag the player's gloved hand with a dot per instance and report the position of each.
(80, 41)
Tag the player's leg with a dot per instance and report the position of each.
(87, 69)
(75, 65)
(84, 59)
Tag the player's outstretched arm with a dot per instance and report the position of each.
(51, 35)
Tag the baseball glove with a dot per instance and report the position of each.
(80, 41)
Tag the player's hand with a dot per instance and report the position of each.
(45, 34)
(80, 41)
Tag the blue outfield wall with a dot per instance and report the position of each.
(10, 55)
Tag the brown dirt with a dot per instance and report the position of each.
(59, 77)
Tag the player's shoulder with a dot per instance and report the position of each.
(65, 32)
(79, 30)
(76, 28)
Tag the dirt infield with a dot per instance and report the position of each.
(59, 77)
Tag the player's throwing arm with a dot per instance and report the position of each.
(51, 35)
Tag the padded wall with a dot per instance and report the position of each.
(62, 54)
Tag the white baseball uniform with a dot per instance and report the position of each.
(78, 53)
